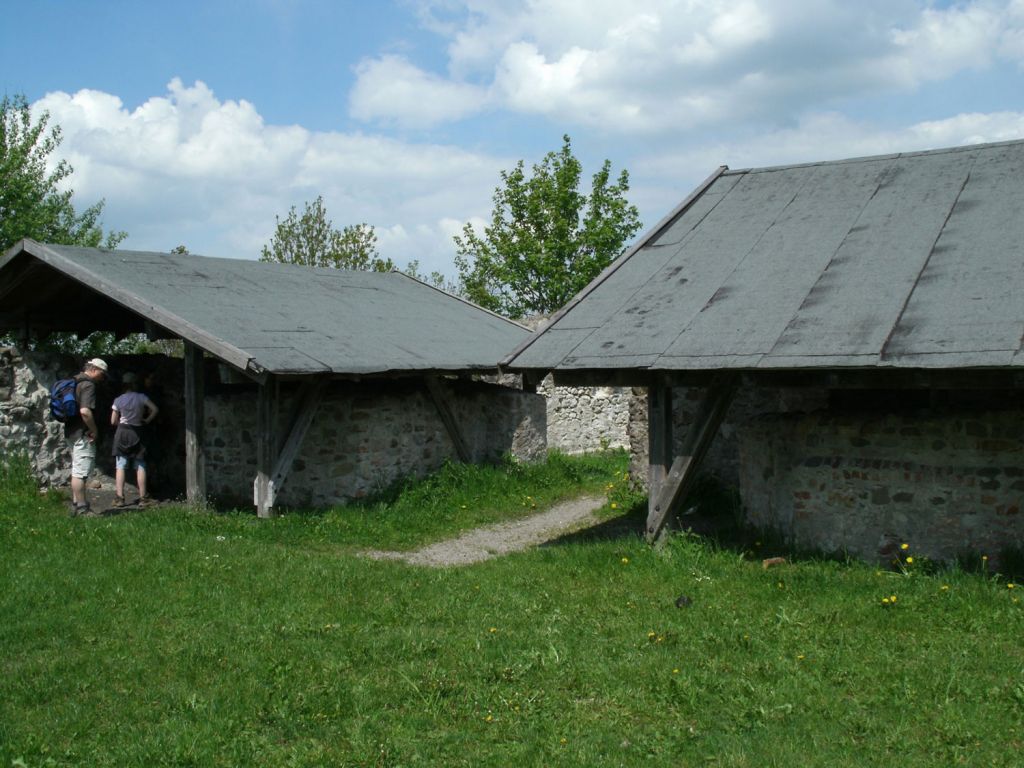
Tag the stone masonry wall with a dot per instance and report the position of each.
(583, 419)
(947, 483)
(723, 457)
(363, 438)
(366, 437)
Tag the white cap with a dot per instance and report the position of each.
(98, 363)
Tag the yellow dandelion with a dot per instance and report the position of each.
(614, 505)
(1011, 585)
(492, 630)
(984, 558)
(910, 560)
(945, 587)
(892, 598)
(904, 546)
(651, 635)
(489, 719)
(801, 657)
(885, 601)
(625, 561)
(563, 740)
(675, 671)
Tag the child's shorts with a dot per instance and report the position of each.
(122, 462)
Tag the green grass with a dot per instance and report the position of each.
(173, 638)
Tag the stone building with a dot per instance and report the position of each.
(339, 382)
(841, 340)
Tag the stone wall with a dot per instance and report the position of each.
(723, 458)
(364, 437)
(946, 482)
(586, 419)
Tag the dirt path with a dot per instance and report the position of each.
(502, 538)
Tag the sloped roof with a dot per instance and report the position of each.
(905, 261)
(276, 318)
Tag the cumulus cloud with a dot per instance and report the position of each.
(821, 136)
(653, 66)
(391, 88)
(189, 168)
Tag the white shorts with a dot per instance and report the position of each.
(83, 457)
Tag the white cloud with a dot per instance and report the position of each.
(653, 66)
(824, 136)
(391, 88)
(188, 168)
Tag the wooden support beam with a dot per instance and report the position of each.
(659, 440)
(266, 448)
(442, 401)
(681, 476)
(195, 459)
(309, 397)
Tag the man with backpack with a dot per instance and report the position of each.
(82, 432)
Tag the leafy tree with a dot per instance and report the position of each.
(435, 278)
(32, 203)
(312, 240)
(546, 240)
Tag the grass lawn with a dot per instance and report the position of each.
(167, 637)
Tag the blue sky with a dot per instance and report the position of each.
(198, 122)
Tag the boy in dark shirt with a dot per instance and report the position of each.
(130, 412)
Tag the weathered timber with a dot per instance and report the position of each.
(698, 439)
(266, 448)
(309, 398)
(659, 440)
(442, 401)
(195, 460)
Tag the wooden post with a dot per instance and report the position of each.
(659, 440)
(195, 460)
(444, 410)
(266, 448)
(698, 439)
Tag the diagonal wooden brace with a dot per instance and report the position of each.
(309, 398)
(699, 437)
(442, 402)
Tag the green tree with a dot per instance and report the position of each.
(546, 239)
(312, 240)
(32, 201)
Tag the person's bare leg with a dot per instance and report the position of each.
(140, 478)
(119, 482)
(78, 491)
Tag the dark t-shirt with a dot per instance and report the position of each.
(85, 394)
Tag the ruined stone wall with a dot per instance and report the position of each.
(26, 426)
(948, 483)
(586, 419)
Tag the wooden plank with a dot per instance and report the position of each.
(309, 398)
(266, 448)
(698, 439)
(659, 440)
(195, 459)
(442, 401)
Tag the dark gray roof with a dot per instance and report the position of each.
(907, 261)
(273, 317)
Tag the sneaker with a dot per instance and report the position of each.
(118, 501)
(81, 510)
(146, 501)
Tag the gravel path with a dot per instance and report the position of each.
(502, 538)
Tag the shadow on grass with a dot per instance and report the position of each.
(713, 513)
